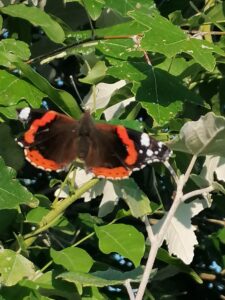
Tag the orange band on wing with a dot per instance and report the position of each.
(132, 152)
(114, 173)
(36, 159)
(29, 135)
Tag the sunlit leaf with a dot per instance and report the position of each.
(93, 7)
(123, 239)
(135, 198)
(203, 137)
(74, 259)
(180, 236)
(14, 267)
(96, 74)
(123, 7)
(12, 46)
(168, 39)
(13, 89)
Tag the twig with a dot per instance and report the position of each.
(129, 289)
(87, 41)
(207, 276)
(205, 32)
(171, 170)
(190, 167)
(217, 222)
(57, 211)
(197, 192)
(148, 227)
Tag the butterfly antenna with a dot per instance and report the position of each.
(76, 90)
(171, 170)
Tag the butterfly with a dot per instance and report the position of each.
(54, 140)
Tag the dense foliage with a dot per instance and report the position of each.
(156, 66)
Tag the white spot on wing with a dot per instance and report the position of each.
(145, 140)
(149, 152)
(160, 144)
(24, 114)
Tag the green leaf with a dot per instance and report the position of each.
(12, 193)
(36, 215)
(74, 259)
(102, 278)
(14, 267)
(215, 14)
(170, 36)
(118, 50)
(96, 74)
(93, 7)
(12, 46)
(202, 52)
(37, 17)
(203, 137)
(13, 89)
(129, 27)
(135, 198)
(61, 98)
(9, 150)
(163, 96)
(221, 235)
(1, 21)
(123, 7)
(164, 256)
(168, 39)
(87, 279)
(10, 112)
(159, 92)
(51, 285)
(123, 239)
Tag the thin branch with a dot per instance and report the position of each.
(171, 170)
(90, 40)
(197, 192)
(190, 167)
(129, 289)
(148, 227)
(217, 222)
(205, 32)
(207, 276)
(147, 271)
(57, 211)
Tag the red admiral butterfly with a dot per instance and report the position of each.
(54, 140)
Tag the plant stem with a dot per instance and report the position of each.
(148, 227)
(197, 192)
(129, 289)
(57, 211)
